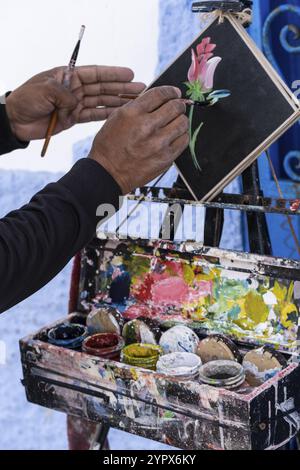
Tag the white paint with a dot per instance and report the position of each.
(221, 419)
(34, 38)
(297, 290)
(270, 298)
(293, 418)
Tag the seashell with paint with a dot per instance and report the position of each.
(262, 364)
(179, 339)
(218, 348)
(184, 366)
(142, 330)
(105, 319)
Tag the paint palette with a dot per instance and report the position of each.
(253, 299)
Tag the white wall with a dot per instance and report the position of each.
(37, 35)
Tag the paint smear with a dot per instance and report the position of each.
(253, 308)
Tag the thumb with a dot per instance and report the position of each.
(60, 96)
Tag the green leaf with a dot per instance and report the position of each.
(194, 91)
(193, 147)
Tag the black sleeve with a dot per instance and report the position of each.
(38, 240)
(8, 142)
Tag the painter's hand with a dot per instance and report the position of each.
(92, 96)
(143, 138)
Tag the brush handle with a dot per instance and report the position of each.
(185, 100)
(50, 130)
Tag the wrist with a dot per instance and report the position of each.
(109, 167)
(11, 115)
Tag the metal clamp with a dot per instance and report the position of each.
(230, 6)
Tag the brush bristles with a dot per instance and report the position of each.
(82, 30)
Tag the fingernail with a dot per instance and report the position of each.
(189, 102)
(178, 91)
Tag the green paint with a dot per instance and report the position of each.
(233, 314)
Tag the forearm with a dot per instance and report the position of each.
(38, 240)
(8, 142)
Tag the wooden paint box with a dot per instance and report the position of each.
(188, 415)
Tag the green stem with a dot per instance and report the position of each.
(192, 149)
(191, 122)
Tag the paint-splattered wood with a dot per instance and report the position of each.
(187, 415)
(253, 299)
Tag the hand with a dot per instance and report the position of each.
(142, 139)
(93, 96)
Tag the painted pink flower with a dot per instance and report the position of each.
(204, 65)
(193, 73)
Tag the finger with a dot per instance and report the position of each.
(111, 88)
(156, 97)
(101, 73)
(179, 145)
(94, 114)
(172, 131)
(103, 100)
(168, 112)
(61, 97)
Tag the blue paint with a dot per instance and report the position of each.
(120, 288)
(66, 335)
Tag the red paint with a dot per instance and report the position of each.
(170, 291)
(143, 293)
(106, 340)
(137, 311)
(107, 345)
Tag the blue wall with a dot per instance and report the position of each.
(270, 31)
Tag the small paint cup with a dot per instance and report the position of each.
(106, 345)
(222, 374)
(141, 355)
(184, 366)
(68, 335)
(77, 318)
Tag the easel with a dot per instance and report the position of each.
(251, 201)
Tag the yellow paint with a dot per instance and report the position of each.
(286, 310)
(255, 308)
(188, 274)
(195, 312)
(279, 291)
(211, 276)
(134, 374)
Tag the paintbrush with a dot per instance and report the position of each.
(186, 101)
(66, 82)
